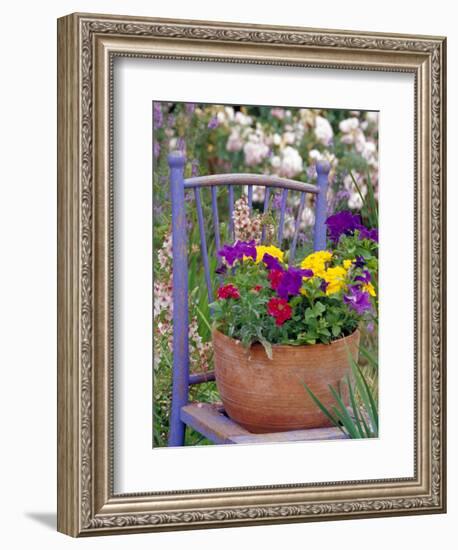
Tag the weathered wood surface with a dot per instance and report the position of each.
(211, 421)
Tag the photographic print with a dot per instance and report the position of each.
(219, 282)
(265, 238)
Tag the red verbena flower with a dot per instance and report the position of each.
(257, 288)
(279, 309)
(275, 277)
(228, 291)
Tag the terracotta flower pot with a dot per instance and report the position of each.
(268, 395)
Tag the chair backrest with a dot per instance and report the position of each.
(178, 186)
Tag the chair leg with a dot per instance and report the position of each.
(177, 429)
(180, 383)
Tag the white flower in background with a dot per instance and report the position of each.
(372, 117)
(242, 119)
(369, 153)
(353, 133)
(255, 150)
(308, 216)
(299, 131)
(258, 193)
(355, 201)
(291, 162)
(275, 161)
(229, 113)
(164, 254)
(315, 156)
(163, 298)
(307, 117)
(288, 113)
(277, 139)
(278, 112)
(234, 141)
(172, 144)
(349, 125)
(221, 117)
(323, 130)
(289, 138)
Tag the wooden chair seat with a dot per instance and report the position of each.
(210, 420)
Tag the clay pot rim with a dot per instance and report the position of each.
(281, 347)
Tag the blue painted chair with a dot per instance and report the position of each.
(209, 419)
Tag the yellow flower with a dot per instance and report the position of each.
(369, 288)
(347, 263)
(335, 277)
(317, 262)
(272, 250)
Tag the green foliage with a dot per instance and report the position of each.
(361, 421)
(317, 315)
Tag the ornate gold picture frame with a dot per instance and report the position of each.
(87, 46)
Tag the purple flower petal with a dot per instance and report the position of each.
(238, 251)
(364, 278)
(324, 285)
(291, 282)
(271, 262)
(346, 223)
(359, 262)
(357, 300)
(213, 123)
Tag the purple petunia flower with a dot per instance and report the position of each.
(291, 282)
(365, 278)
(359, 262)
(271, 262)
(346, 223)
(357, 300)
(213, 123)
(324, 285)
(371, 234)
(342, 223)
(238, 251)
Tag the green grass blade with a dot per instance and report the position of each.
(323, 409)
(371, 358)
(204, 318)
(344, 414)
(354, 406)
(358, 189)
(372, 201)
(372, 407)
(365, 393)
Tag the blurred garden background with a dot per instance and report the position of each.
(249, 139)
